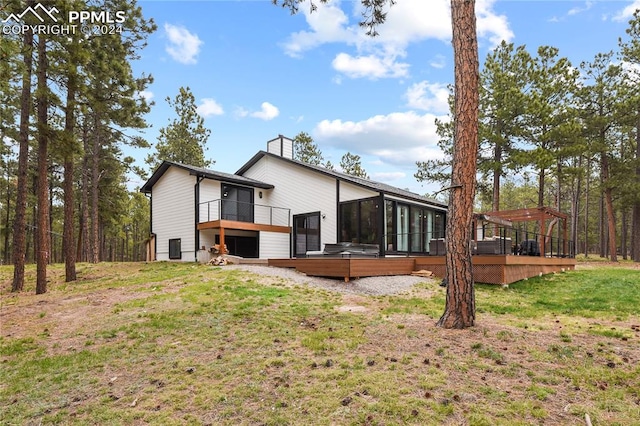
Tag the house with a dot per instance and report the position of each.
(278, 207)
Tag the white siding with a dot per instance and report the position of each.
(172, 201)
(208, 238)
(349, 192)
(281, 146)
(300, 189)
(274, 245)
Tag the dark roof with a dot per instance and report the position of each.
(206, 173)
(365, 183)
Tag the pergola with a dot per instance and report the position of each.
(539, 214)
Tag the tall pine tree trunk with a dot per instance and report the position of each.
(497, 172)
(541, 183)
(42, 254)
(586, 209)
(575, 205)
(94, 248)
(635, 226)
(6, 223)
(68, 239)
(601, 223)
(20, 219)
(624, 233)
(81, 252)
(608, 200)
(460, 303)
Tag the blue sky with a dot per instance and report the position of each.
(256, 71)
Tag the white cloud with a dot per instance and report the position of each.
(267, 112)
(147, 95)
(388, 176)
(399, 138)
(627, 13)
(577, 10)
(369, 66)
(408, 21)
(240, 112)
(433, 97)
(328, 24)
(210, 107)
(183, 46)
(492, 26)
(439, 61)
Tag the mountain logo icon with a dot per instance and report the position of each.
(39, 11)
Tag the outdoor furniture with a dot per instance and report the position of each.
(529, 248)
(494, 245)
(436, 247)
(347, 250)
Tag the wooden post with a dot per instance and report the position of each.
(222, 244)
(543, 235)
(564, 238)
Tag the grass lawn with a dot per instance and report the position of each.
(171, 343)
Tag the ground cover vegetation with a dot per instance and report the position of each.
(178, 343)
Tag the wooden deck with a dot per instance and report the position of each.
(490, 269)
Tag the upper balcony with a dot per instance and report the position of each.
(231, 214)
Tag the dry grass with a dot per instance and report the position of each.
(186, 344)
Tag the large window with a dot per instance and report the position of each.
(237, 203)
(359, 221)
(417, 229)
(390, 229)
(402, 227)
(409, 228)
(349, 222)
(369, 221)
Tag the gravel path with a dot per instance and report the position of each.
(374, 286)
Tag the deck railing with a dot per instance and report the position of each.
(490, 241)
(239, 211)
(522, 242)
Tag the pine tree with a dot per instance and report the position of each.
(9, 99)
(600, 105)
(184, 139)
(631, 53)
(548, 122)
(305, 150)
(44, 132)
(111, 104)
(351, 164)
(460, 304)
(19, 224)
(502, 84)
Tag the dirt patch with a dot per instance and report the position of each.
(67, 320)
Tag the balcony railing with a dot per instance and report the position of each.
(239, 211)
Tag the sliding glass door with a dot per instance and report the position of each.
(306, 233)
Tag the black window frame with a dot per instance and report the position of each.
(172, 248)
(351, 224)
